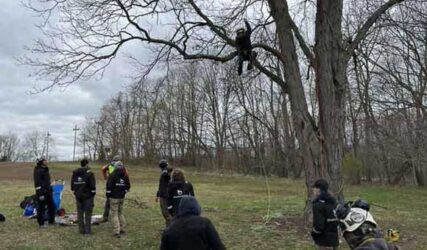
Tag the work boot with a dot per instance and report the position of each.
(117, 235)
(123, 232)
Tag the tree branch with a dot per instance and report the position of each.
(362, 32)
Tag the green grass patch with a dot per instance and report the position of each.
(245, 212)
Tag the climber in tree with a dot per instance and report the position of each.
(244, 47)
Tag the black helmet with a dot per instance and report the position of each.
(361, 204)
(163, 163)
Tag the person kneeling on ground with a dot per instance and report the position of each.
(189, 231)
(178, 188)
(118, 185)
(325, 222)
(83, 186)
(162, 192)
(359, 227)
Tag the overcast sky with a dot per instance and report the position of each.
(56, 111)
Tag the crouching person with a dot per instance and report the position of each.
(118, 185)
(189, 231)
(325, 222)
(359, 227)
(83, 186)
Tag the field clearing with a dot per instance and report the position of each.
(245, 216)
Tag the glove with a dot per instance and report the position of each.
(41, 197)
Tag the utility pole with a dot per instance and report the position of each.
(75, 129)
(47, 145)
(84, 145)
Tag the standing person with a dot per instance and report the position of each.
(162, 192)
(43, 192)
(106, 171)
(178, 188)
(83, 186)
(118, 185)
(325, 222)
(189, 231)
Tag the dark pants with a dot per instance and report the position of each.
(41, 209)
(165, 212)
(106, 209)
(84, 215)
(245, 56)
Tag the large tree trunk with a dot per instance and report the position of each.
(303, 122)
(331, 83)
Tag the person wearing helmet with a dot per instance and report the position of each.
(43, 192)
(162, 192)
(325, 222)
(106, 171)
(359, 227)
(118, 185)
(244, 47)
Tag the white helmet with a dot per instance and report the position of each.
(355, 218)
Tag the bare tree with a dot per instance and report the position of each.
(92, 32)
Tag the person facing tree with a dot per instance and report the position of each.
(83, 185)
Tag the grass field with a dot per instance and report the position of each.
(246, 213)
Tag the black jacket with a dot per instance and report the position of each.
(325, 222)
(163, 184)
(189, 231)
(177, 190)
(243, 42)
(83, 183)
(42, 180)
(377, 244)
(118, 184)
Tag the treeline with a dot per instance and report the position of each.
(203, 114)
(26, 147)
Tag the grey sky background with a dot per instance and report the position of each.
(56, 111)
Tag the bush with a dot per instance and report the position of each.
(352, 169)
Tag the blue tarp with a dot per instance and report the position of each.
(57, 194)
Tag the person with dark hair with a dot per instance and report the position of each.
(118, 185)
(189, 231)
(43, 192)
(83, 185)
(244, 47)
(325, 222)
(162, 192)
(178, 188)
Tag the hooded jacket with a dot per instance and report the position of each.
(189, 231)
(42, 180)
(118, 184)
(83, 183)
(325, 222)
(163, 184)
(177, 190)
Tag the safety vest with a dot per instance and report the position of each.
(110, 168)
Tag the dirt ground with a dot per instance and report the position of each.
(24, 171)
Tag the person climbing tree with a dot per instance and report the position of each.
(244, 47)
